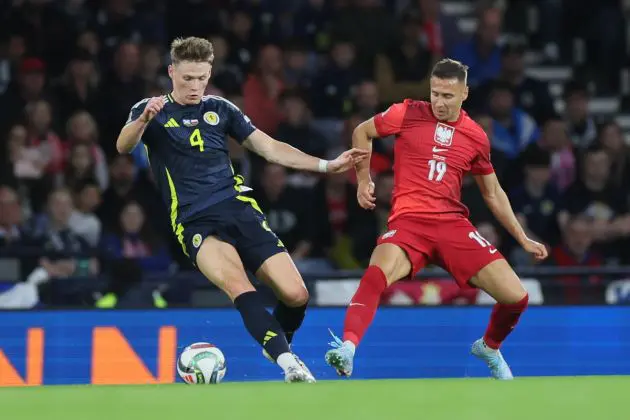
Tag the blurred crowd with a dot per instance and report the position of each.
(306, 72)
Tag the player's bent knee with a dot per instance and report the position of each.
(500, 281)
(296, 297)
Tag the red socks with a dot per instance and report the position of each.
(364, 304)
(502, 321)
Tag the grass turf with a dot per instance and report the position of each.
(554, 398)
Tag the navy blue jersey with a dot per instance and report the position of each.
(187, 146)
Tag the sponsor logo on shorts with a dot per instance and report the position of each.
(443, 134)
(492, 251)
(196, 240)
(389, 234)
(211, 118)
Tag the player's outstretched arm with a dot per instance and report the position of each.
(286, 155)
(499, 204)
(131, 133)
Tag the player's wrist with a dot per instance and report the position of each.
(323, 166)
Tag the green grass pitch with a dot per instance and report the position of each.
(556, 398)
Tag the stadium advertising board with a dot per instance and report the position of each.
(140, 347)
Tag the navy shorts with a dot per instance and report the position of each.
(239, 222)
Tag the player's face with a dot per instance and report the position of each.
(447, 96)
(189, 80)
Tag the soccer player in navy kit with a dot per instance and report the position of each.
(220, 228)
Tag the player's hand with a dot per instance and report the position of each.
(365, 195)
(346, 160)
(154, 106)
(538, 250)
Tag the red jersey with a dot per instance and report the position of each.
(431, 158)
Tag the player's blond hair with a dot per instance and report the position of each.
(195, 49)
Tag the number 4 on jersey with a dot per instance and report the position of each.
(196, 140)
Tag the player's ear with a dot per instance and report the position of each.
(465, 95)
(170, 71)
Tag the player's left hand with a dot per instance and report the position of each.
(538, 250)
(346, 160)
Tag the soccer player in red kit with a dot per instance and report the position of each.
(437, 143)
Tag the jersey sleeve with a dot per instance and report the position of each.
(391, 120)
(137, 110)
(239, 126)
(482, 164)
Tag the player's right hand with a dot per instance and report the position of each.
(154, 106)
(365, 195)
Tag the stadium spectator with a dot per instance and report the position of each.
(531, 95)
(482, 52)
(576, 250)
(555, 140)
(86, 198)
(262, 90)
(300, 67)
(242, 41)
(439, 31)
(287, 209)
(82, 130)
(367, 226)
(367, 25)
(152, 68)
(537, 200)
(10, 217)
(66, 252)
(42, 137)
(403, 70)
(12, 48)
(77, 89)
(310, 22)
(332, 87)
(297, 129)
(512, 128)
(611, 139)
(366, 98)
(595, 197)
(120, 89)
(134, 239)
(226, 76)
(125, 185)
(581, 125)
(27, 87)
(334, 209)
(25, 165)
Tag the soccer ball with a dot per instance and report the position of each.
(201, 363)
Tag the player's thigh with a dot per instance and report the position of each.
(279, 272)
(500, 281)
(393, 261)
(221, 264)
(473, 261)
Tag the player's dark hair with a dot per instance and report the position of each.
(195, 49)
(450, 69)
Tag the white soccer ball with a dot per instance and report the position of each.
(201, 363)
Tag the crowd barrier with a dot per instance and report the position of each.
(140, 347)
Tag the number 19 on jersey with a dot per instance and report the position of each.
(437, 170)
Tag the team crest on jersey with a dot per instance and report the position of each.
(191, 123)
(444, 134)
(196, 240)
(211, 118)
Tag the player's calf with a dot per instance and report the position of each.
(499, 281)
(279, 273)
